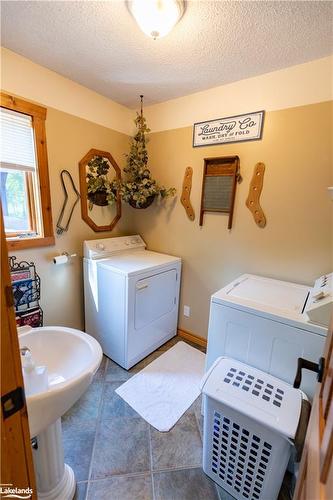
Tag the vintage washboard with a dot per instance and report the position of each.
(220, 178)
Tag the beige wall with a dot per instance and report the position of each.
(297, 241)
(298, 85)
(27, 79)
(77, 120)
(69, 138)
(296, 147)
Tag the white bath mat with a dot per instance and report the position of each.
(167, 387)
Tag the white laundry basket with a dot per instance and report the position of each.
(250, 418)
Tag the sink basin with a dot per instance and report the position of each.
(72, 358)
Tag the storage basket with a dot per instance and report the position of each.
(250, 418)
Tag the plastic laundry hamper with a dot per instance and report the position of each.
(250, 419)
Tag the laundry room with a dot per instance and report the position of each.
(167, 215)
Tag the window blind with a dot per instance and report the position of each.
(17, 141)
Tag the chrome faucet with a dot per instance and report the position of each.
(24, 350)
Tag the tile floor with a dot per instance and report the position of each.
(116, 455)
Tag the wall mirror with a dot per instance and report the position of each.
(100, 198)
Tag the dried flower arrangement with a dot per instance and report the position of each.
(138, 189)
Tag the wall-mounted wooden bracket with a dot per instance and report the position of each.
(185, 199)
(252, 201)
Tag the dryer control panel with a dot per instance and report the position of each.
(319, 304)
(103, 248)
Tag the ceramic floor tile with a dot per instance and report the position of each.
(122, 446)
(169, 343)
(186, 484)
(87, 407)
(138, 367)
(121, 488)
(200, 422)
(101, 370)
(115, 373)
(222, 494)
(151, 357)
(81, 491)
(78, 445)
(196, 407)
(113, 405)
(180, 447)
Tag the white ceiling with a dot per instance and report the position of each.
(99, 45)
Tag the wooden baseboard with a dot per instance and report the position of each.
(192, 338)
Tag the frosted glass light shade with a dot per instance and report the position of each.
(156, 18)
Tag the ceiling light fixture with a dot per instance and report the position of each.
(156, 18)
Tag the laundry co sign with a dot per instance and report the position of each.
(230, 129)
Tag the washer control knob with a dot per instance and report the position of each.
(100, 246)
(134, 241)
(127, 243)
(319, 296)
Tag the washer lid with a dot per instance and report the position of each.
(275, 294)
(135, 262)
(264, 294)
(273, 299)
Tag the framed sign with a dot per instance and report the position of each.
(230, 129)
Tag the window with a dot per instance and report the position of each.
(19, 176)
(24, 181)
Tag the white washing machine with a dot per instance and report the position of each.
(131, 297)
(269, 324)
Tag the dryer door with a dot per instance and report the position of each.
(155, 296)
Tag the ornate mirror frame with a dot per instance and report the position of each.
(83, 188)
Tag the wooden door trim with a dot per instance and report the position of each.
(315, 481)
(17, 466)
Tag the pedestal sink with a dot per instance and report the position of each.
(72, 357)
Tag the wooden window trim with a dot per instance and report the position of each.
(31, 201)
(38, 115)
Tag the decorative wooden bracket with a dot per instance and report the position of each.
(252, 201)
(185, 199)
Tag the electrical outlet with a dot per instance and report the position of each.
(187, 311)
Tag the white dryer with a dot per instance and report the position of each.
(131, 297)
(269, 324)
